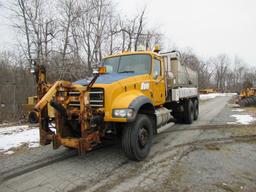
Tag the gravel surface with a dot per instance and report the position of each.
(183, 158)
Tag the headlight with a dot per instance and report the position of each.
(123, 113)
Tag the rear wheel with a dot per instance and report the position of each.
(137, 138)
(188, 111)
(178, 113)
(177, 116)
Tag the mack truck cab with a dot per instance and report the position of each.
(130, 97)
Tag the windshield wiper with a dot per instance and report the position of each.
(126, 72)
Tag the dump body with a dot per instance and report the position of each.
(178, 74)
(181, 81)
(142, 87)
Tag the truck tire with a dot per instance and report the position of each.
(177, 116)
(137, 138)
(32, 117)
(188, 112)
(196, 109)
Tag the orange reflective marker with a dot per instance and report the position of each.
(102, 70)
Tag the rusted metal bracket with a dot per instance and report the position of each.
(56, 142)
(45, 137)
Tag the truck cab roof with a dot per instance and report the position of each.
(152, 53)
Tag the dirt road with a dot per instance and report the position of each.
(179, 161)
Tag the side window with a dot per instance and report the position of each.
(157, 67)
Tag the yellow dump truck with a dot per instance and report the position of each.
(130, 96)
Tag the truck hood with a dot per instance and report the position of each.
(107, 78)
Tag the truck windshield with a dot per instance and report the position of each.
(139, 64)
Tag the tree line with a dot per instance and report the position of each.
(221, 72)
(71, 36)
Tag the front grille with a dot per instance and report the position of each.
(96, 97)
(74, 99)
(74, 93)
(74, 104)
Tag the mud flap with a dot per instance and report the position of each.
(45, 132)
(55, 142)
(44, 137)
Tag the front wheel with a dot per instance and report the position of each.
(137, 138)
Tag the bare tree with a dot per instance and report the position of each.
(36, 26)
(191, 60)
(22, 13)
(68, 16)
(221, 65)
(113, 24)
(139, 29)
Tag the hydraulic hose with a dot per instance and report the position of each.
(61, 110)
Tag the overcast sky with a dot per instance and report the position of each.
(210, 27)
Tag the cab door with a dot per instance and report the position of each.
(158, 81)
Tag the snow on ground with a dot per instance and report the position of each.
(238, 110)
(243, 119)
(13, 137)
(3, 124)
(9, 152)
(213, 95)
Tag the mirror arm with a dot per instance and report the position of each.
(160, 80)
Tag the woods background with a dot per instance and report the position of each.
(70, 36)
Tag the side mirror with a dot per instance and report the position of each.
(99, 70)
(155, 76)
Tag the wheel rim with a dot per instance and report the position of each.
(143, 137)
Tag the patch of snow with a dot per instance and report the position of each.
(4, 124)
(238, 110)
(13, 129)
(231, 123)
(213, 95)
(8, 152)
(13, 137)
(243, 119)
